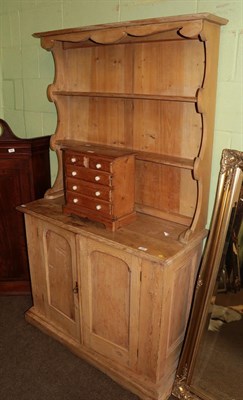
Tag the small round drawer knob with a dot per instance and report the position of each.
(75, 187)
(97, 193)
(73, 159)
(98, 166)
(98, 207)
(74, 173)
(75, 201)
(97, 178)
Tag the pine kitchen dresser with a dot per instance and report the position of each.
(119, 294)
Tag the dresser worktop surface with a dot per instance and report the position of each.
(149, 236)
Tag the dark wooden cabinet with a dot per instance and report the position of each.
(24, 176)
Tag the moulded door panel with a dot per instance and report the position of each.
(59, 255)
(110, 282)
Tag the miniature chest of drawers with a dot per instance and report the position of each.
(99, 184)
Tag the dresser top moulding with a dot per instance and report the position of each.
(182, 26)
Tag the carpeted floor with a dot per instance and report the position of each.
(33, 366)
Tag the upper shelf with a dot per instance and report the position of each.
(167, 28)
(188, 99)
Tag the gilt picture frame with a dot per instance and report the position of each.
(229, 187)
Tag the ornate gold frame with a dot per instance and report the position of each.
(230, 181)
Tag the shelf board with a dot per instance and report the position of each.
(174, 161)
(188, 99)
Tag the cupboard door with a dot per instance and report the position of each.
(54, 274)
(15, 189)
(110, 289)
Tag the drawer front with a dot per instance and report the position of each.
(13, 151)
(88, 161)
(90, 175)
(89, 189)
(100, 164)
(96, 205)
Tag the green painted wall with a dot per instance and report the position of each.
(26, 69)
